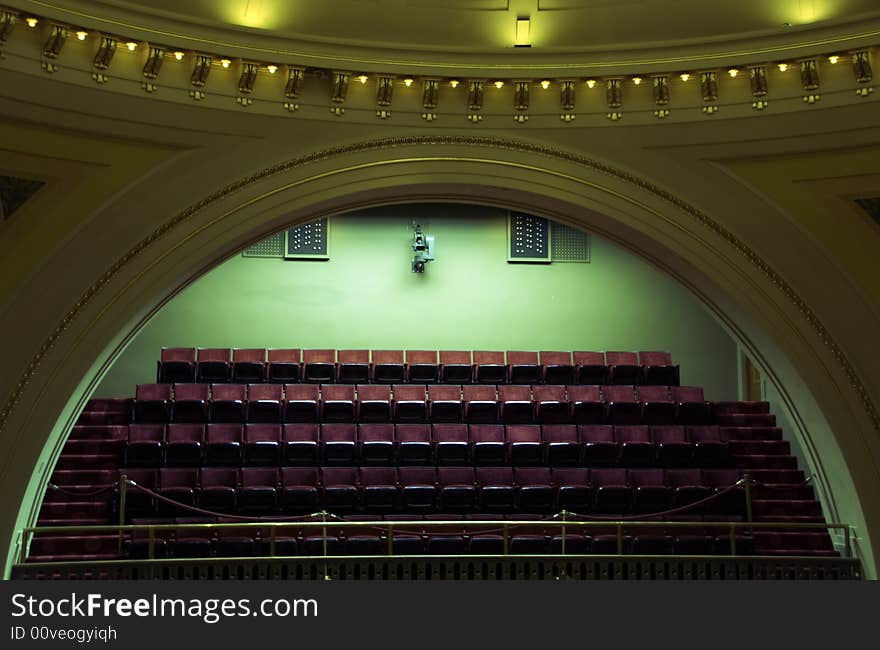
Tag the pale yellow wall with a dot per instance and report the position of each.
(469, 298)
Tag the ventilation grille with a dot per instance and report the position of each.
(569, 244)
(871, 205)
(271, 247)
(528, 238)
(308, 241)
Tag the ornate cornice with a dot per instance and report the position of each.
(517, 146)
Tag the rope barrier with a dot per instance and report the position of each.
(100, 490)
(212, 513)
(663, 513)
(292, 519)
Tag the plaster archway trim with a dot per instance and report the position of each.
(702, 218)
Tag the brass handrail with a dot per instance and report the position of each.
(564, 524)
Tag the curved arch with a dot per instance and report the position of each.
(761, 309)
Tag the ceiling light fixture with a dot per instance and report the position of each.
(82, 35)
(453, 83)
(499, 84)
(591, 83)
(407, 82)
(684, 76)
(782, 67)
(178, 55)
(272, 69)
(637, 80)
(523, 26)
(31, 22)
(363, 78)
(833, 59)
(545, 84)
(131, 45)
(225, 62)
(733, 72)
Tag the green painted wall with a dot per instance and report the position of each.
(470, 298)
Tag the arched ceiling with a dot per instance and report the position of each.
(438, 35)
(487, 25)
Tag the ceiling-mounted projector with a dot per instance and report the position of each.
(423, 247)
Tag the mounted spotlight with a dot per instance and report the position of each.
(246, 82)
(152, 67)
(810, 81)
(758, 83)
(52, 47)
(566, 100)
(338, 90)
(521, 101)
(7, 23)
(614, 97)
(199, 76)
(423, 247)
(862, 70)
(475, 100)
(384, 93)
(660, 84)
(430, 95)
(103, 58)
(709, 90)
(293, 87)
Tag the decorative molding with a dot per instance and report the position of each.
(473, 141)
(780, 46)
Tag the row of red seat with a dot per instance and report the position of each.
(251, 365)
(619, 404)
(612, 491)
(423, 444)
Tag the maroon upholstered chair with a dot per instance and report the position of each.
(523, 367)
(422, 366)
(214, 365)
(284, 365)
(249, 365)
(556, 367)
(456, 367)
(177, 365)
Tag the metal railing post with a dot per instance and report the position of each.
(620, 538)
(732, 539)
(506, 539)
(563, 531)
(151, 543)
(123, 489)
(324, 539)
(272, 538)
(748, 481)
